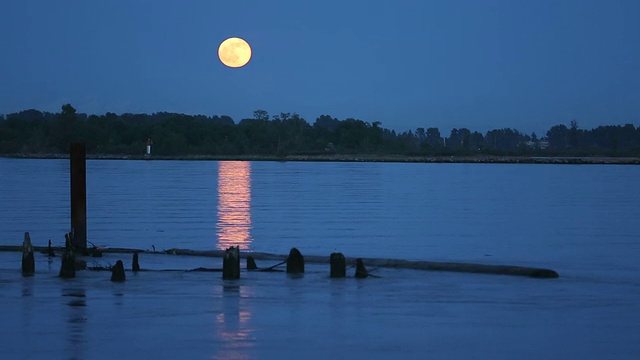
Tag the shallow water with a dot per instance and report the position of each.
(578, 220)
(405, 313)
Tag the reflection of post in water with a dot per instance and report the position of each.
(234, 323)
(234, 204)
(76, 320)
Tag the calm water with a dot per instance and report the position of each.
(578, 220)
(551, 215)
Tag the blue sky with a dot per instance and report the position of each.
(480, 64)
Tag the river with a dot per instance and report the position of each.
(580, 220)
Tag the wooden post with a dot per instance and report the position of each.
(231, 264)
(68, 267)
(50, 251)
(117, 272)
(251, 263)
(295, 262)
(135, 266)
(338, 265)
(79, 195)
(28, 262)
(361, 271)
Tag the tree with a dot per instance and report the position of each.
(573, 134)
(558, 136)
(261, 115)
(433, 138)
(68, 110)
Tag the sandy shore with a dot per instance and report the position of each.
(361, 158)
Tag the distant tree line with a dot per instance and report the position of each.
(36, 132)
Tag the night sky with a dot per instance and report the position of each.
(479, 64)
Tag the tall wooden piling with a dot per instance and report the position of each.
(79, 195)
(338, 265)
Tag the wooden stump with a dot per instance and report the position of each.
(338, 265)
(231, 264)
(251, 263)
(295, 262)
(68, 267)
(361, 271)
(135, 265)
(28, 261)
(117, 272)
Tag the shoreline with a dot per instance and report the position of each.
(478, 159)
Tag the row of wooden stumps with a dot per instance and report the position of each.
(69, 264)
(230, 263)
(295, 264)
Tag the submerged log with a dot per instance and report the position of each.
(117, 272)
(295, 262)
(231, 264)
(361, 271)
(251, 263)
(28, 261)
(95, 252)
(135, 266)
(68, 267)
(338, 265)
(377, 262)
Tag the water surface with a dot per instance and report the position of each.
(578, 220)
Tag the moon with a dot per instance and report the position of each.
(234, 52)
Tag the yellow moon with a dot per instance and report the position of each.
(234, 52)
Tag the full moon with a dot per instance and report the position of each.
(234, 52)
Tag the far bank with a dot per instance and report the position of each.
(480, 159)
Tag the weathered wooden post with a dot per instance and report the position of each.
(50, 251)
(79, 195)
(117, 272)
(231, 264)
(338, 265)
(361, 271)
(251, 263)
(295, 262)
(28, 262)
(68, 267)
(135, 265)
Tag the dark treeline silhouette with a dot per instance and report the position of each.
(36, 132)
